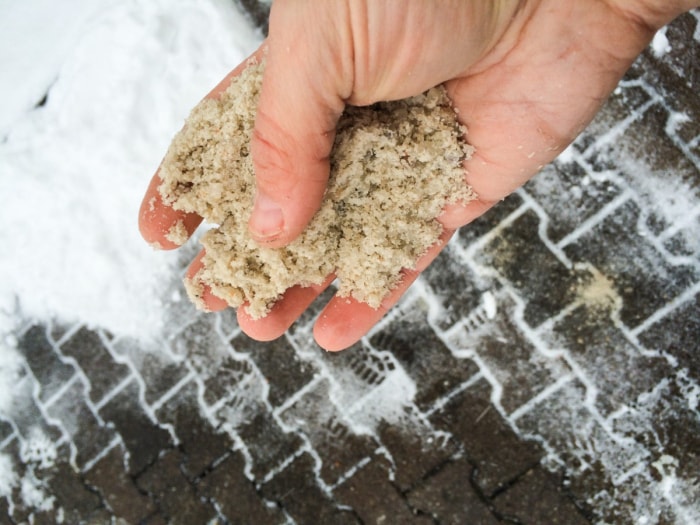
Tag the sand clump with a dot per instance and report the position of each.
(394, 166)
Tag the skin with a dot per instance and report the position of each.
(526, 76)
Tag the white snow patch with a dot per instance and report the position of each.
(36, 37)
(660, 44)
(675, 119)
(386, 402)
(663, 191)
(33, 494)
(568, 155)
(10, 373)
(8, 476)
(38, 449)
(490, 305)
(72, 173)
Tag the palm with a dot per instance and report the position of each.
(521, 111)
(524, 106)
(522, 103)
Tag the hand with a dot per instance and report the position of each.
(526, 77)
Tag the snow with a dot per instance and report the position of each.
(8, 476)
(38, 450)
(10, 372)
(120, 77)
(660, 45)
(33, 65)
(490, 305)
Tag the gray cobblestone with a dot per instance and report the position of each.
(48, 368)
(448, 498)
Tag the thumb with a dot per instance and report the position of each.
(298, 110)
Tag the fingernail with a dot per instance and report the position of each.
(267, 220)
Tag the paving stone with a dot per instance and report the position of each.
(201, 344)
(89, 435)
(514, 253)
(358, 372)
(449, 498)
(158, 370)
(17, 511)
(510, 356)
(498, 454)
(296, 489)
(375, 499)
(489, 220)
(231, 375)
(414, 451)
(155, 519)
(56, 330)
(258, 11)
(26, 415)
(176, 496)
(456, 287)
(597, 460)
(143, 439)
(414, 344)
(236, 496)
(78, 502)
(605, 356)
(571, 413)
(685, 242)
(227, 323)
(676, 69)
(278, 361)
(5, 510)
(537, 497)
(678, 333)
(6, 429)
(626, 100)
(200, 443)
(643, 278)
(268, 444)
(569, 196)
(667, 157)
(338, 446)
(674, 432)
(44, 488)
(109, 477)
(104, 373)
(44, 362)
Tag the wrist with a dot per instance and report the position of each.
(653, 14)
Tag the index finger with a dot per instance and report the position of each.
(160, 225)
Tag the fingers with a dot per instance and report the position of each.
(283, 314)
(205, 298)
(456, 215)
(344, 320)
(299, 106)
(257, 57)
(160, 225)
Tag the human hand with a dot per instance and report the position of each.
(526, 78)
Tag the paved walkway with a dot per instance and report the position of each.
(545, 370)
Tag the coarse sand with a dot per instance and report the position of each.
(394, 166)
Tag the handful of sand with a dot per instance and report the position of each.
(394, 166)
